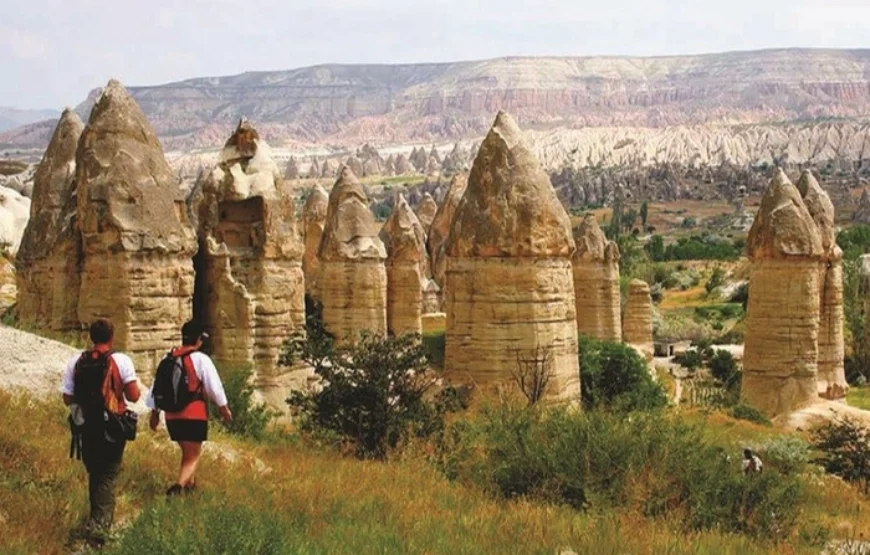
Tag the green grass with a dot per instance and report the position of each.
(859, 397)
(285, 496)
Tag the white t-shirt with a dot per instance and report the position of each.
(756, 463)
(122, 361)
(208, 375)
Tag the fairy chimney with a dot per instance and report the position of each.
(596, 282)
(832, 374)
(137, 241)
(510, 291)
(426, 211)
(439, 230)
(353, 279)
(48, 263)
(250, 290)
(314, 220)
(407, 267)
(780, 360)
(637, 328)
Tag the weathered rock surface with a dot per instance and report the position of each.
(353, 279)
(407, 267)
(314, 220)
(596, 282)
(137, 241)
(251, 293)
(637, 325)
(862, 214)
(781, 355)
(426, 211)
(832, 374)
(439, 230)
(48, 263)
(510, 291)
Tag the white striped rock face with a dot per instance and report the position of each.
(637, 327)
(407, 267)
(596, 282)
(510, 288)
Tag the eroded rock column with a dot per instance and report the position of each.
(439, 231)
(407, 262)
(353, 279)
(314, 220)
(596, 282)
(137, 241)
(510, 290)
(426, 211)
(637, 326)
(780, 360)
(48, 263)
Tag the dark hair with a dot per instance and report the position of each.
(191, 332)
(101, 331)
(747, 453)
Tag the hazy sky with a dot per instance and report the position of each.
(52, 52)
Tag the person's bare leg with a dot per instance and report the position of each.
(190, 452)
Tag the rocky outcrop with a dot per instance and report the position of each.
(862, 214)
(637, 326)
(353, 279)
(48, 264)
(251, 293)
(137, 241)
(407, 268)
(596, 282)
(832, 374)
(426, 211)
(510, 292)
(439, 230)
(314, 220)
(291, 172)
(780, 360)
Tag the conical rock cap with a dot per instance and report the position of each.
(821, 209)
(509, 207)
(403, 234)
(592, 244)
(351, 232)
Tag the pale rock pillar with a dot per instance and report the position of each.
(832, 374)
(48, 262)
(510, 290)
(426, 211)
(637, 325)
(137, 241)
(780, 360)
(314, 220)
(353, 279)
(596, 282)
(439, 231)
(407, 265)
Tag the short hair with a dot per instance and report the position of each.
(191, 332)
(101, 331)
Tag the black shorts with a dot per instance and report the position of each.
(188, 430)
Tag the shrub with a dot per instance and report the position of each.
(249, 417)
(716, 280)
(652, 463)
(741, 411)
(724, 368)
(845, 450)
(690, 359)
(740, 295)
(613, 375)
(433, 344)
(789, 454)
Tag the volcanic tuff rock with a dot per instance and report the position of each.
(137, 241)
(347, 104)
(314, 220)
(862, 215)
(781, 355)
(832, 375)
(251, 293)
(596, 282)
(637, 327)
(510, 293)
(353, 279)
(439, 230)
(426, 211)
(407, 268)
(47, 265)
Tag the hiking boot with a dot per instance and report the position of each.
(176, 489)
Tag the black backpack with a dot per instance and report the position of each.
(90, 373)
(171, 388)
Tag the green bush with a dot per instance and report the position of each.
(433, 344)
(653, 463)
(844, 445)
(788, 454)
(716, 280)
(690, 359)
(725, 369)
(249, 417)
(749, 413)
(613, 375)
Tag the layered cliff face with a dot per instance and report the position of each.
(351, 104)
(509, 286)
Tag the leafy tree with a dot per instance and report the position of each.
(613, 375)
(656, 248)
(716, 280)
(644, 213)
(845, 448)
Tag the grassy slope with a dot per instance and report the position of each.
(309, 501)
(859, 397)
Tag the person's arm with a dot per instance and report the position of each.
(214, 388)
(132, 392)
(128, 377)
(68, 386)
